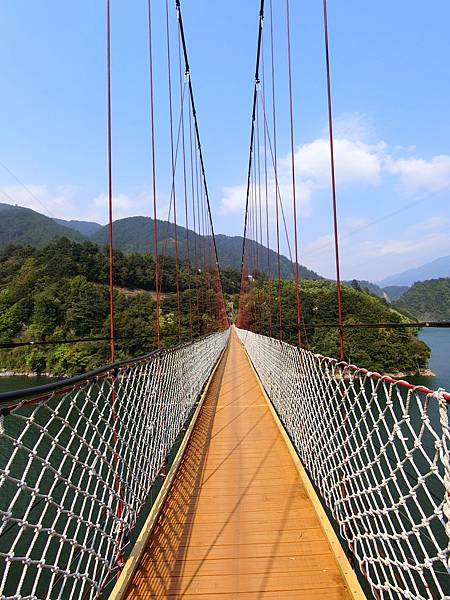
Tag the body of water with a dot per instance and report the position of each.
(439, 342)
(437, 339)
(8, 384)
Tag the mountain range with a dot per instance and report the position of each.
(438, 268)
(23, 226)
(428, 300)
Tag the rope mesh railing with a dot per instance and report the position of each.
(77, 466)
(377, 451)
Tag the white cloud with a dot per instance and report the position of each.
(356, 222)
(400, 148)
(352, 127)
(418, 175)
(324, 241)
(402, 247)
(434, 222)
(64, 203)
(233, 199)
(356, 163)
(38, 198)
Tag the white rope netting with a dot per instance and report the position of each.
(377, 452)
(77, 467)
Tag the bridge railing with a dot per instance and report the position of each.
(78, 459)
(377, 451)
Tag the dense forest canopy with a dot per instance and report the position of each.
(428, 300)
(385, 350)
(23, 226)
(60, 291)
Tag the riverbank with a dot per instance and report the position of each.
(416, 373)
(7, 373)
(395, 375)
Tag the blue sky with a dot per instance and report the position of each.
(390, 93)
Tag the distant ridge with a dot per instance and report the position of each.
(440, 267)
(87, 228)
(428, 300)
(134, 234)
(21, 226)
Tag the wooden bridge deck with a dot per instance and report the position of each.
(237, 522)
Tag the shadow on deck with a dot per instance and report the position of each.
(237, 521)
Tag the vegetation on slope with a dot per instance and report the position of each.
(25, 226)
(394, 292)
(22, 226)
(428, 300)
(384, 350)
(133, 234)
(368, 286)
(60, 292)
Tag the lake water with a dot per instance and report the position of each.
(439, 342)
(437, 339)
(8, 384)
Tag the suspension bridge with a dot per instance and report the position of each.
(232, 464)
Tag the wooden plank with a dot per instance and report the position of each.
(125, 578)
(347, 572)
(238, 521)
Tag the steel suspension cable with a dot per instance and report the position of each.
(258, 154)
(111, 280)
(278, 191)
(259, 231)
(201, 243)
(197, 134)
(333, 182)
(245, 247)
(194, 189)
(163, 254)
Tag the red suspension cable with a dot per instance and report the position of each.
(110, 200)
(333, 184)
(186, 210)
(152, 126)
(269, 289)
(259, 230)
(280, 320)
(294, 201)
(194, 190)
(169, 73)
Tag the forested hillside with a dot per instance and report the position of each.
(398, 352)
(394, 292)
(134, 234)
(25, 226)
(428, 300)
(60, 292)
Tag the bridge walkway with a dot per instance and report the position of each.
(237, 522)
